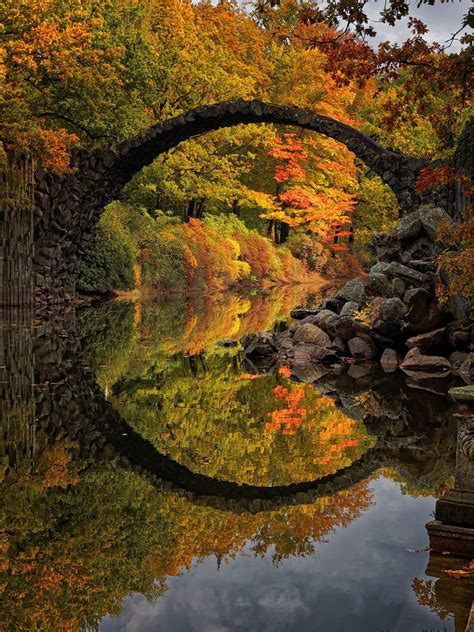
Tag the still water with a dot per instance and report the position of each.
(154, 480)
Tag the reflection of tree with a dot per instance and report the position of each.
(424, 590)
(446, 595)
(223, 424)
(77, 545)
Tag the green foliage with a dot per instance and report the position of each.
(108, 262)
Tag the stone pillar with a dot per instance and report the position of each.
(16, 230)
(452, 531)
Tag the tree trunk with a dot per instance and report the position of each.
(191, 209)
(200, 208)
(284, 232)
(235, 207)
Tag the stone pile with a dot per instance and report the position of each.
(392, 317)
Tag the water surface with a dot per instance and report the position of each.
(99, 534)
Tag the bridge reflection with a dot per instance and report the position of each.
(49, 394)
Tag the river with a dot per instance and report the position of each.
(151, 481)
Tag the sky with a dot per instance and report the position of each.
(442, 19)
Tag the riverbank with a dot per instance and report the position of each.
(132, 252)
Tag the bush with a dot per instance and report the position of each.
(108, 262)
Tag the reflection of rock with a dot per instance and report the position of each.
(422, 366)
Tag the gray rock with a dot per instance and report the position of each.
(339, 345)
(459, 307)
(390, 360)
(353, 291)
(381, 267)
(311, 334)
(361, 348)
(332, 304)
(261, 344)
(420, 366)
(406, 273)
(457, 358)
(325, 318)
(309, 373)
(431, 217)
(409, 227)
(377, 284)
(358, 371)
(423, 312)
(300, 313)
(397, 287)
(466, 370)
(349, 308)
(427, 340)
(303, 354)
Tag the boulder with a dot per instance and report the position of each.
(397, 287)
(345, 328)
(261, 344)
(405, 273)
(422, 248)
(390, 360)
(300, 313)
(380, 267)
(358, 371)
(387, 246)
(431, 218)
(327, 355)
(458, 336)
(339, 345)
(421, 366)
(353, 291)
(349, 308)
(309, 373)
(303, 354)
(457, 358)
(422, 265)
(361, 348)
(409, 226)
(332, 304)
(466, 370)
(423, 312)
(388, 318)
(459, 307)
(325, 318)
(311, 334)
(427, 340)
(377, 284)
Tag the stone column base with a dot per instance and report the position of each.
(453, 539)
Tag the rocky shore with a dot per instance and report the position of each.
(392, 317)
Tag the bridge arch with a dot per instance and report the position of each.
(70, 206)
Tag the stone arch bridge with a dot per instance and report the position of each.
(68, 207)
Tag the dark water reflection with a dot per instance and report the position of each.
(123, 459)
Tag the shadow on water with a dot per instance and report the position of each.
(133, 446)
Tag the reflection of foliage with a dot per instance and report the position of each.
(108, 334)
(426, 596)
(459, 573)
(73, 552)
(214, 420)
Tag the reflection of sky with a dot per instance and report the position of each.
(358, 581)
